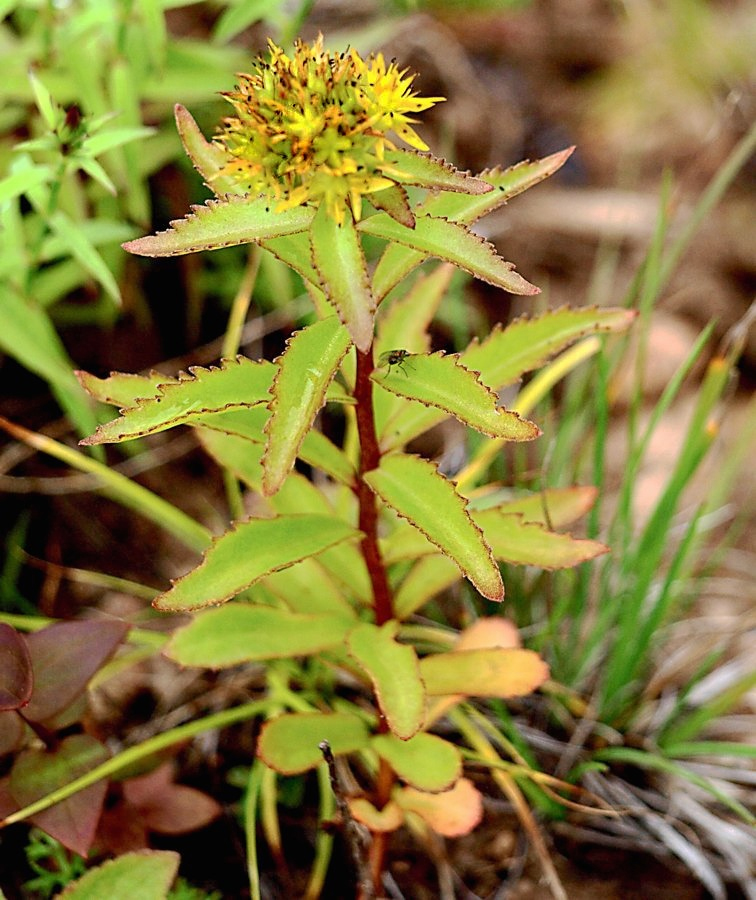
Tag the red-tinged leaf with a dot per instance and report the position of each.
(453, 243)
(338, 257)
(166, 807)
(241, 632)
(290, 744)
(443, 382)
(485, 672)
(222, 223)
(508, 353)
(250, 551)
(415, 489)
(207, 158)
(64, 657)
(12, 730)
(395, 675)
(451, 813)
(398, 261)
(16, 679)
(305, 370)
(393, 201)
(426, 761)
(387, 819)
(426, 171)
(36, 773)
(530, 544)
(146, 875)
(553, 507)
(236, 385)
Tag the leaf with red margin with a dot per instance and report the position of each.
(290, 744)
(16, 679)
(64, 657)
(483, 672)
(166, 807)
(36, 773)
(146, 875)
(387, 819)
(451, 813)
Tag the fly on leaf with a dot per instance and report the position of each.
(396, 358)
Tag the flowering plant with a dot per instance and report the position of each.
(335, 571)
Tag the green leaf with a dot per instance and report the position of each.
(488, 672)
(505, 355)
(248, 552)
(553, 507)
(414, 488)
(454, 243)
(514, 540)
(398, 261)
(49, 110)
(424, 170)
(394, 201)
(222, 223)
(307, 587)
(207, 158)
(441, 381)
(122, 388)
(238, 384)
(19, 182)
(116, 137)
(338, 257)
(305, 370)
(428, 576)
(290, 743)
(146, 874)
(425, 761)
(394, 672)
(82, 249)
(239, 632)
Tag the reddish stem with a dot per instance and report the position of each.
(370, 456)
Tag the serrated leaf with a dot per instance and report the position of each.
(425, 761)
(123, 388)
(398, 261)
(248, 552)
(207, 158)
(494, 672)
(394, 201)
(290, 743)
(240, 632)
(243, 423)
(506, 354)
(428, 577)
(415, 489)
(553, 507)
(427, 171)
(451, 813)
(307, 587)
(340, 262)
(147, 874)
(236, 384)
(305, 370)
(453, 243)
(222, 223)
(514, 540)
(394, 673)
(295, 250)
(441, 381)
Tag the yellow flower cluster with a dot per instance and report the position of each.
(313, 127)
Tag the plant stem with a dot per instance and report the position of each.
(370, 456)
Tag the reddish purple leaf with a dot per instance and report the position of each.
(64, 657)
(166, 807)
(36, 773)
(16, 677)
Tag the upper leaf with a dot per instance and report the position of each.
(394, 671)
(441, 381)
(454, 243)
(426, 761)
(291, 743)
(419, 493)
(16, 679)
(484, 672)
(147, 874)
(222, 223)
(237, 384)
(424, 170)
(305, 370)
(340, 262)
(248, 552)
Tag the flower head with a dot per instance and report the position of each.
(313, 127)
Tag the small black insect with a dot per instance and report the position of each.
(396, 358)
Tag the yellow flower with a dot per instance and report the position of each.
(313, 127)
